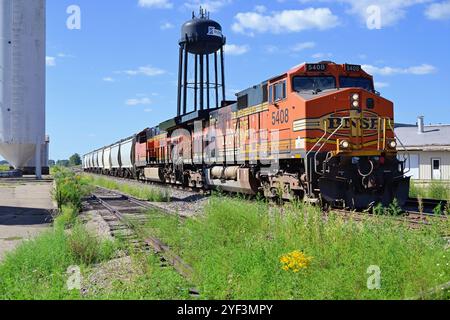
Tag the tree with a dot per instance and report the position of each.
(75, 160)
(62, 163)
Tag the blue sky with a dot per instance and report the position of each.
(117, 74)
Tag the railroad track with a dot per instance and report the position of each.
(182, 202)
(426, 206)
(125, 216)
(173, 187)
(412, 217)
(412, 213)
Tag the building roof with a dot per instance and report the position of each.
(433, 137)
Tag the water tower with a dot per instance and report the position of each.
(201, 76)
(22, 81)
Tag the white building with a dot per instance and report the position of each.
(428, 148)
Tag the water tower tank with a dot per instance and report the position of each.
(22, 79)
(202, 35)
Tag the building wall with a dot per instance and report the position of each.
(424, 170)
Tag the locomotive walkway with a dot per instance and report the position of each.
(25, 210)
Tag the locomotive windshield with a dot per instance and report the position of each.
(303, 83)
(352, 82)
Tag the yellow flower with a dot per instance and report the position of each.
(295, 261)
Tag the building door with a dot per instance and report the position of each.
(414, 166)
(436, 167)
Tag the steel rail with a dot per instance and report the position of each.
(156, 244)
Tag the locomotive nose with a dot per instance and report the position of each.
(361, 122)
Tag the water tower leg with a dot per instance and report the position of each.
(38, 162)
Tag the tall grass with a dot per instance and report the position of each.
(152, 283)
(438, 191)
(142, 192)
(37, 268)
(435, 190)
(236, 248)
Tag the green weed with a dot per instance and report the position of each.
(142, 192)
(236, 247)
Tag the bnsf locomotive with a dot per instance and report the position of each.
(318, 131)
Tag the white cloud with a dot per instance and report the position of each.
(145, 71)
(65, 55)
(148, 110)
(138, 101)
(166, 26)
(158, 4)
(389, 71)
(108, 79)
(236, 50)
(381, 85)
(285, 21)
(271, 49)
(391, 10)
(438, 11)
(209, 5)
(321, 55)
(50, 61)
(260, 9)
(303, 46)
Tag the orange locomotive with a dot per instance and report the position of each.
(318, 132)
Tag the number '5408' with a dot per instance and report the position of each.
(280, 117)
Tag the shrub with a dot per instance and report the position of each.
(70, 188)
(67, 217)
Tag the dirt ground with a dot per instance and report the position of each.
(25, 210)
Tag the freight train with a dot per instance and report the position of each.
(318, 132)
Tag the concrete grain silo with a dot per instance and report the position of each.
(22, 81)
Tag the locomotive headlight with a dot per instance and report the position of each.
(355, 97)
(355, 104)
(345, 144)
(393, 144)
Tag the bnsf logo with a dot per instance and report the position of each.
(364, 123)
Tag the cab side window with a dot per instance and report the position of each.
(277, 92)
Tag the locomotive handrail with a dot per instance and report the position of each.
(323, 144)
(308, 172)
(406, 154)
